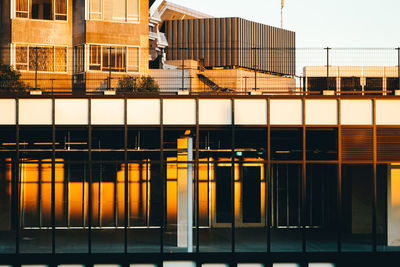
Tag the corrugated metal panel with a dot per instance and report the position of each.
(233, 42)
(205, 53)
(357, 143)
(388, 143)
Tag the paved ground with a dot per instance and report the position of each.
(211, 240)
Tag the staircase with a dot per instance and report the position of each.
(212, 85)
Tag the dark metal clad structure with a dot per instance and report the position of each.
(232, 42)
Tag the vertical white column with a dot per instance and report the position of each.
(185, 194)
(86, 9)
(393, 209)
(12, 9)
(190, 195)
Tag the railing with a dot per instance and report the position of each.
(340, 71)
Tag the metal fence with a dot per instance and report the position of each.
(67, 70)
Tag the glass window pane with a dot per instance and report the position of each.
(286, 231)
(133, 59)
(41, 58)
(250, 189)
(357, 196)
(95, 57)
(21, 8)
(72, 172)
(387, 216)
(7, 174)
(286, 143)
(215, 175)
(35, 185)
(42, 9)
(133, 9)
(60, 59)
(321, 208)
(79, 58)
(21, 57)
(95, 9)
(61, 9)
(118, 10)
(321, 144)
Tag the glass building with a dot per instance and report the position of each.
(197, 181)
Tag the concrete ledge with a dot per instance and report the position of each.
(183, 92)
(35, 92)
(328, 92)
(110, 92)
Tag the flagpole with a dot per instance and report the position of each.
(282, 5)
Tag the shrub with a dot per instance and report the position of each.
(10, 79)
(137, 84)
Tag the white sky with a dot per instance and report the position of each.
(317, 23)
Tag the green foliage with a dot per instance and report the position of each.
(137, 84)
(10, 79)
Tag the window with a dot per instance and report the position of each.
(114, 58)
(95, 9)
(119, 10)
(41, 9)
(21, 57)
(60, 59)
(95, 57)
(133, 59)
(392, 84)
(319, 83)
(133, 9)
(61, 9)
(350, 84)
(41, 58)
(373, 84)
(79, 59)
(21, 7)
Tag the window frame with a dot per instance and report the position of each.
(76, 59)
(28, 12)
(28, 45)
(126, 48)
(127, 19)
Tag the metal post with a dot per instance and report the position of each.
(268, 177)
(36, 65)
(339, 180)
(16, 182)
(53, 181)
(374, 198)
(304, 182)
(183, 70)
(327, 67)
(197, 177)
(109, 68)
(52, 86)
(233, 173)
(90, 177)
(398, 68)
(255, 78)
(126, 181)
(162, 178)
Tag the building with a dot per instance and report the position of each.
(232, 43)
(195, 52)
(358, 79)
(64, 44)
(192, 181)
